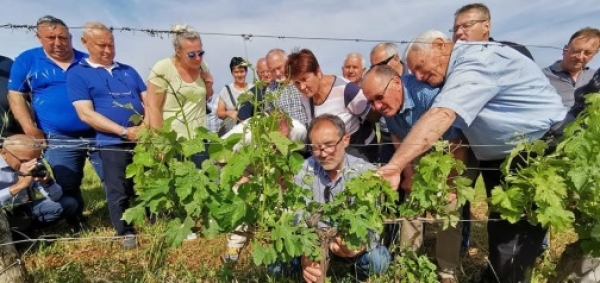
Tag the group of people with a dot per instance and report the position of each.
(469, 89)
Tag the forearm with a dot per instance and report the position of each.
(430, 127)
(21, 110)
(8, 193)
(154, 117)
(100, 123)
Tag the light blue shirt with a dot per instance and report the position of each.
(9, 177)
(500, 97)
(418, 98)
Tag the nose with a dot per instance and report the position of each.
(419, 75)
(377, 105)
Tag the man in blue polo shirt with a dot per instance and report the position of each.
(497, 97)
(99, 89)
(402, 103)
(41, 73)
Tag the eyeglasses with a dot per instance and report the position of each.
(327, 148)
(379, 97)
(384, 62)
(466, 26)
(194, 53)
(580, 52)
(21, 160)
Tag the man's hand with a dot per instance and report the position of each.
(311, 271)
(36, 134)
(132, 132)
(391, 173)
(407, 175)
(338, 248)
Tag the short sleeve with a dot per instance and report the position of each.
(76, 86)
(355, 100)
(18, 75)
(158, 75)
(469, 86)
(224, 95)
(139, 82)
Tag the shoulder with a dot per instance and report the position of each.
(29, 55)
(79, 55)
(162, 65)
(358, 164)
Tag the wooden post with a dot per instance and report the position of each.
(12, 269)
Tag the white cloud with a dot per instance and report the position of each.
(526, 22)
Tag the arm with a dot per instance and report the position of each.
(154, 102)
(23, 182)
(223, 113)
(85, 111)
(22, 112)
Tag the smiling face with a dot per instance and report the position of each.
(100, 45)
(353, 69)
(239, 75)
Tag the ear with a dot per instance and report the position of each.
(346, 140)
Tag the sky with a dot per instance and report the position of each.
(533, 23)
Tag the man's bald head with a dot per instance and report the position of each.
(22, 145)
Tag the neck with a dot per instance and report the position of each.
(91, 60)
(68, 59)
(185, 68)
(324, 88)
(333, 174)
(239, 84)
(574, 73)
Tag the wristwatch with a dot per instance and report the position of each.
(123, 134)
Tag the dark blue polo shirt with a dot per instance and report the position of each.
(107, 91)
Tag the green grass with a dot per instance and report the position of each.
(199, 260)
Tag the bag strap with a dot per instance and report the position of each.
(230, 95)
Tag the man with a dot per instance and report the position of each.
(472, 22)
(100, 89)
(571, 73)
(402, 102)
(8, 125)
(495, 96)
(262, 70)
(288, 97)
(18, 163)
(329, 167)
(41, 73)
(354, 67)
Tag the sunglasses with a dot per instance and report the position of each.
(384, 62)
(194, 53)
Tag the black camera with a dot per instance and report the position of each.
(40, 170)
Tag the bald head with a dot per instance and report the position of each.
(22, 143)
(262, 70)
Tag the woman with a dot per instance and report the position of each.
(228, 97)
(335, 95)
(178, 87)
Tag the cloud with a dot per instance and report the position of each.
(526, 22)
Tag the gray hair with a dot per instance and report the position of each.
(423, 41)
(276, 51)
(391, 49)
(183, 32)
(382, 72)
(50, 21)
(335, 120)
(91, 27)
(356, 55)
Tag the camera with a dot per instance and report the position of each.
(40, 170)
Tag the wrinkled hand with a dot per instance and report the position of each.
(391, 173)
(132, 132)
(311, 271)
(338, 248)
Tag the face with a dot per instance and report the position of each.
(471, 26)
(189, 48)
(101, 46)
(262, 71)
(430, 65)
(579, 52)
(308, 83)
(56, 41)
(381, 57)
(239, 75)
(276, 65)
(385, 96)
(328, 147)
(353, 69)
(14, 158)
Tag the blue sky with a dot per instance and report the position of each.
(533, 22)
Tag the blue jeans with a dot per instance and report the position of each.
(374, 262)
(47, 211)
(66, 154)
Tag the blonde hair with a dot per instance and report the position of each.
(183, 32)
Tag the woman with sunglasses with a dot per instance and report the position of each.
(181, 79)
(338, 96)
(228, 97)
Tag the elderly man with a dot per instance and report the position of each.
(100, 88)
(571, 73)
(42, 73)
(262, 70)
(402, 103)
(19, 172)
(288, 97)
(329, 166)
(472, 22)
(354, 67)
(494, 95)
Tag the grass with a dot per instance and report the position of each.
(199, 260)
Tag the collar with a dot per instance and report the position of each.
(3, 164)
(321, 171)
(408, 101)
(79, 56)
(556, 67)
(87, 63)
